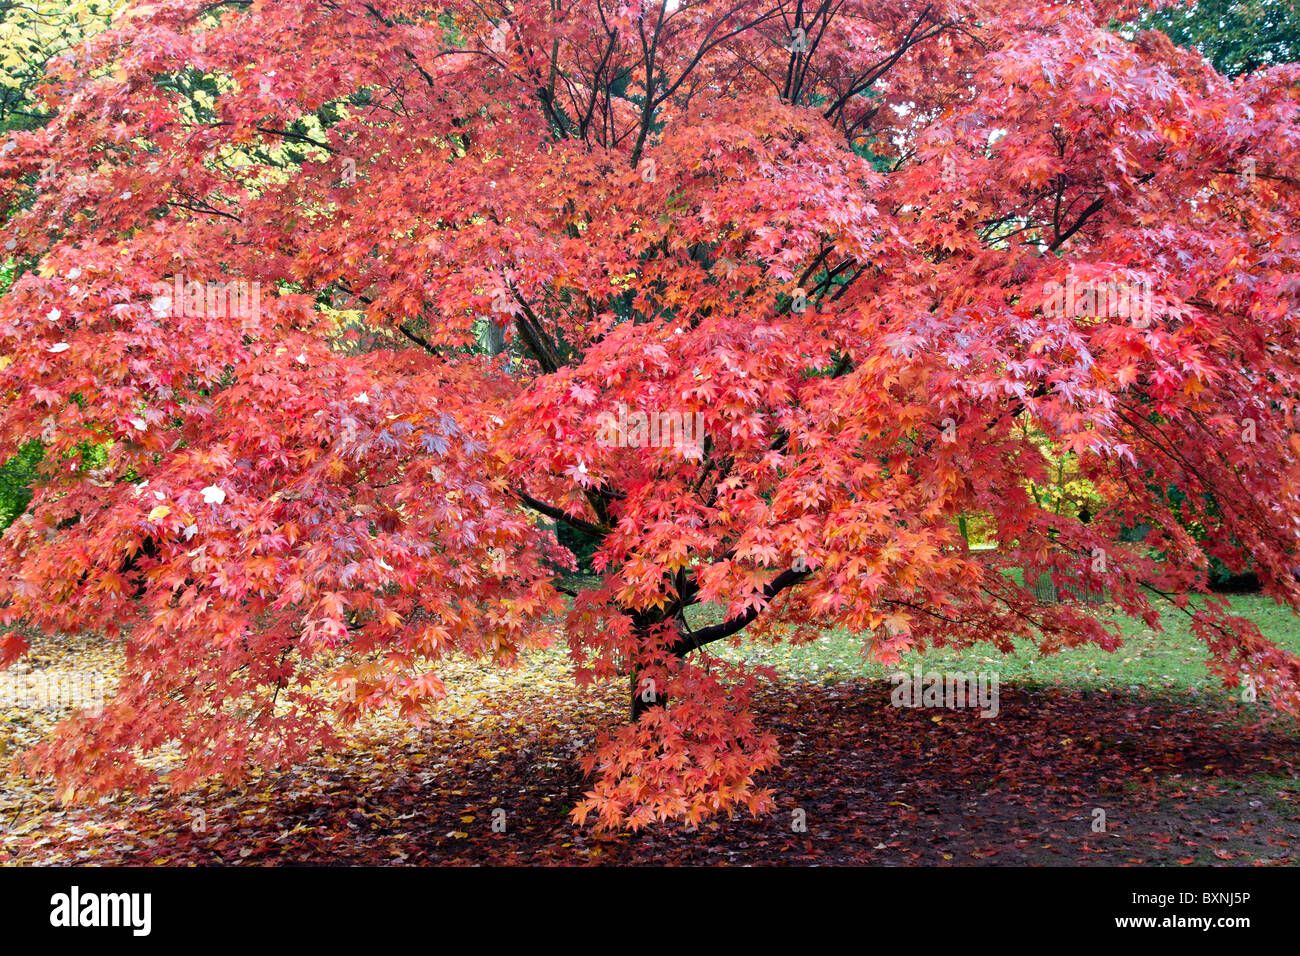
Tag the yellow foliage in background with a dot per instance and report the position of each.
(33, 31)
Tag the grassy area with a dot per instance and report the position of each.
(1172, 659)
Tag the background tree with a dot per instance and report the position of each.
(1238, 36)
(32, 32)
(896, 258)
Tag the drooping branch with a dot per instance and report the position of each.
(419, 340)
(717, 632)
(559, 514)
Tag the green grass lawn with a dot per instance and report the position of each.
(1172, 659)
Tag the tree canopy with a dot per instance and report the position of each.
(899, 262)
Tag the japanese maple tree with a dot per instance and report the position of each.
(362, 300)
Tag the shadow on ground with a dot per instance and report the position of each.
(1173, 782)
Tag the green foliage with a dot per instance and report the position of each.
(1237, 36)
(580, 543)
(16, 476)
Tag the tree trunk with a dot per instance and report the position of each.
(639, 703)
(495, 338)
(645, 695)
(638, 706)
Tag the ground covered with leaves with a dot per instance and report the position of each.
(1182, 777)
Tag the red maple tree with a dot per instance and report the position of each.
(363, 299)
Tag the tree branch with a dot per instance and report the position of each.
(716, 632)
